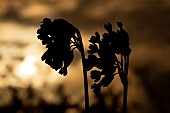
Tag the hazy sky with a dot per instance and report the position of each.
(148, 25)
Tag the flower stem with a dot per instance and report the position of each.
(81, 49)
(125, 84)
(125, 97)
(85, 84)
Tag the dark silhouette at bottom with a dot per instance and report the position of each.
(18, 105)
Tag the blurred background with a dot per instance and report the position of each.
(28, 85)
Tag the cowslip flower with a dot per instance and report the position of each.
(61, 38)
(103, 52)
(57, 36)
(110, 55)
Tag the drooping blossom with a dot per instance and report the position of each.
(59, 37)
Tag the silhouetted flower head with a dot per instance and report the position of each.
(120, 25)
(57, 35)
(108, 27)
(102, 54)
(122, 41)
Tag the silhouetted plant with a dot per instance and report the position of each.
(61, 38)
(110, 54)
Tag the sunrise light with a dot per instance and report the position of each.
(27, 67)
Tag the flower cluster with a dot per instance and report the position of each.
(103, 55)
(56, 35)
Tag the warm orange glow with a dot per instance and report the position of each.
(27, 67)
(147, 22)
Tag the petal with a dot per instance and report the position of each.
(63, 71)
(46, 55)
(96, 75)
(107, 79)
(46, 20)
(96, 87)
(120, 24)
(108, 27)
